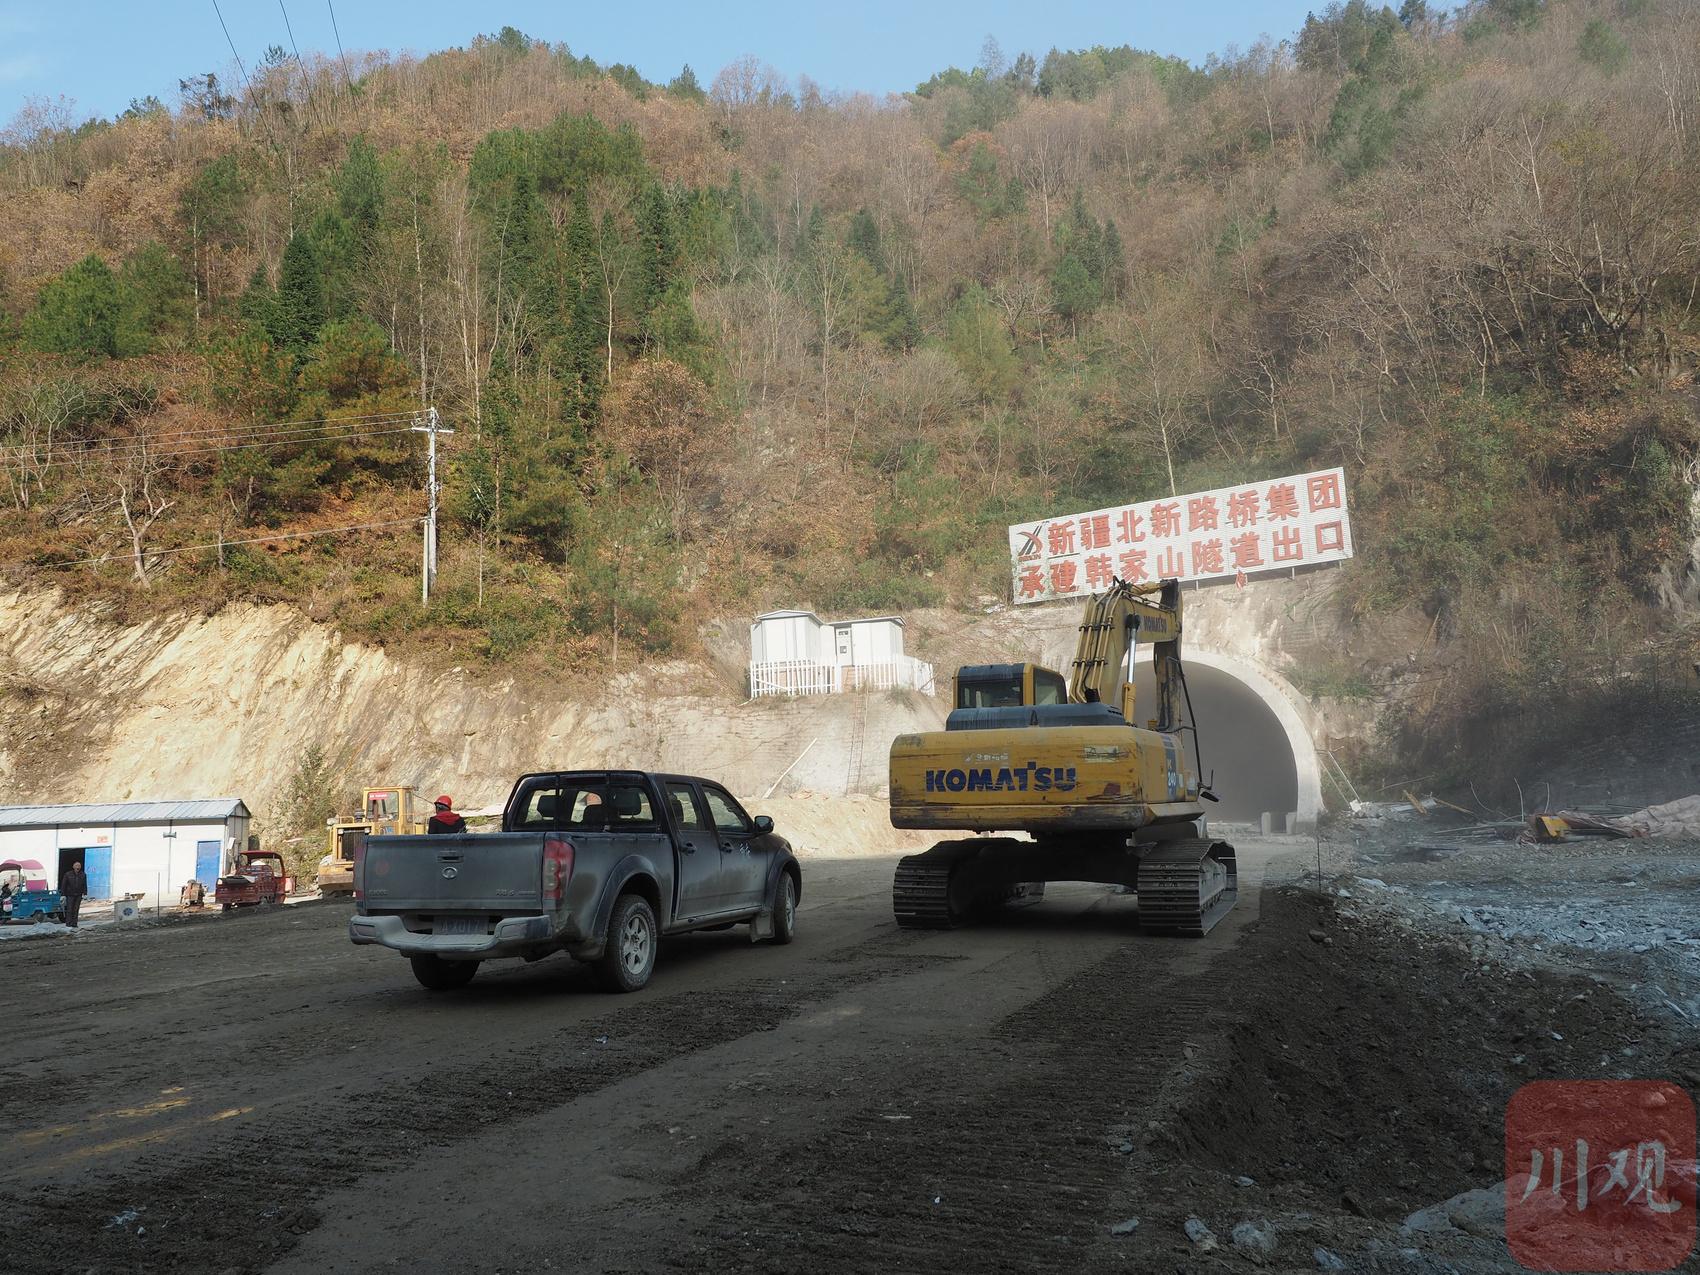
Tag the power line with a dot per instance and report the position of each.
(271, 427)
(196, 442)
(129, 452)
(216, 544)
(341, 56)
(247, 87)
(287, 27)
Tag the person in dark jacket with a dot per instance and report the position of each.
(445, 819)
(73, 885)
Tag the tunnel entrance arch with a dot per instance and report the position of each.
(1252, 735)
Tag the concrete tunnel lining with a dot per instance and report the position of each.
(1274, 695)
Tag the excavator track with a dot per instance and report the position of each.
(1187, 886)
(921, 891)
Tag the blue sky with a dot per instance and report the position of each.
(101, 53)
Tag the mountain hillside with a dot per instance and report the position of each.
(710, 348)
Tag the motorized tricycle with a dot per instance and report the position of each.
(26, 895)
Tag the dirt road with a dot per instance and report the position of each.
(252, 1090)
(254, 1093)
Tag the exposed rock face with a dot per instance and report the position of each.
(225, 704)
(198, 705)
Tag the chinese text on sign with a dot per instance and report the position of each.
(1268, 525)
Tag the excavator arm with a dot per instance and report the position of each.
(1115, 622)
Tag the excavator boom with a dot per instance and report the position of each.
(1115, 623)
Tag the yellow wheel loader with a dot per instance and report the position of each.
(386, 812)
(1103, 799)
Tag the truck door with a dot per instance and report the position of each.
(743, 868)
(699, 870)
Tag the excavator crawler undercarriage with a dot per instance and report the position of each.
(1185, 885)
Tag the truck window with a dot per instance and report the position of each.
(726, 813)
(539, 807)
(588, 805)
(383, 805)
(622, 807)
(686, 813)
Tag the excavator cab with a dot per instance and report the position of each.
(1008, 686)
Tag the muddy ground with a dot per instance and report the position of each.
(247, 1093)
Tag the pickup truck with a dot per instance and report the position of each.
(595, 863)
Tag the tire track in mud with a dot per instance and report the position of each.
(1006, 1155)
(242, 1198)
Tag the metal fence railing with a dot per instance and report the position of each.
(806, 677)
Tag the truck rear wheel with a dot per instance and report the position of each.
(442, 976)
(628, 955)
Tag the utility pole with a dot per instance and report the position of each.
(428, 559)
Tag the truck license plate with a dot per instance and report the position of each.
(458, 925)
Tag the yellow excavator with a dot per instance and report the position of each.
(390, 810)
(1103, 799)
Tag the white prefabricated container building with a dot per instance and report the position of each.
(798, 653)
(150, 848)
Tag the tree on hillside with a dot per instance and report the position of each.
(360, 188)
(203, 96)
(77, 313)
(660, 417)
(155, 301)
(212, 211)
(582, 366)
(685, 85)
(1073, 291)
(299, 308)
(352, 365)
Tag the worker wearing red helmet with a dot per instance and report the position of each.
(445, 819)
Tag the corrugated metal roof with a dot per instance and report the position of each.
(207, 810)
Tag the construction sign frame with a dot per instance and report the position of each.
(1271, 525)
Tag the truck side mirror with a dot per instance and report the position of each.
(764, 825)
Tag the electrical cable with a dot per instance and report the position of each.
(220, 433)
(341, 56)
(246, 86)
(126, 453)
(327, 427)
(287, 27)
(215, 544)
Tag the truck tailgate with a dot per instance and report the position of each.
(473, 872)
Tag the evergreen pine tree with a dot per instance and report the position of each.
(1115, 261)
(337, 245)
(581, 363)
(864, 238)
(658, 249)
(258, 306)
(300, 304)
(155, 300)
(360, 188)
(1072, 288)
(77, 313)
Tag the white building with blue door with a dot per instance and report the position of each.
(147, 848)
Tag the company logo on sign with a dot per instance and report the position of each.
(1262, 526)
(1031, 777)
